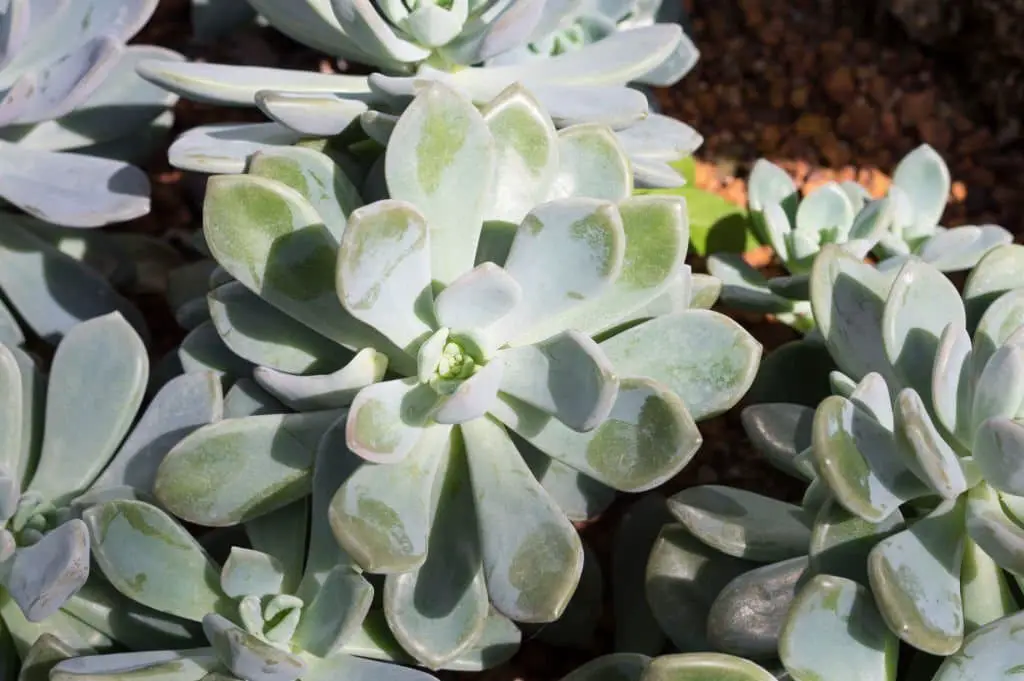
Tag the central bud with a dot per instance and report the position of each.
(33, 518)
(455, 363)
(446, 360)
(271, 618)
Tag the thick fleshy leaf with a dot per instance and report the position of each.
(747, 616)
(51, 291)
(246, 398)
(267, 236)
(592, 164)
(282, 534)
(260, 333)
(477, 299)
(335, 613)
(826, 214)
(955, 250)
(859, 459)
(251, 573)
(848, 298)
(438, 611)
(984, 589)
(383, 274)
(925, 450)
(526, 154)
(331, 468)
(921, 303)
(998, 445)
(742, 524)
(121, 105)
(924, 177)
(14, 415)
(308, 393)
(646, 438)
(247, 467)
(238, 85)
(995, 274)
(1001, 320)
(72, 189)
(952, 384)
(993, 530)
(704, 357)
(387, 419)
(169, 665)
(309, 113)
(226, 148)
(704, 666)
(203, 350)
(621, 666)
(441, 159)
(745, 287)
(684, 575)
(246, 656)
(835, 632)
(314, 175)
(46, 652)
(331, 391)
(82, 431)
(580, 496)
(566, 376)
(43, 576)
(657, 234)
(532, 566)
(841, 541)
(915, 577)
(181, 405)
(152, 559)
(636, 629)
(780, 432)
(107, 610)
(564, 252)
(381, 514)
(992, 652)
(999, 390)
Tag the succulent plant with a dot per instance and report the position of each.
(920, 436)
(834, 631)
(919, 192)
(911, 466)
(66, 441)
(587, 85)
(832, 213)
(290, 607)
(505, 318)
(72, 97)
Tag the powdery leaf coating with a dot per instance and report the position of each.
(151, 559)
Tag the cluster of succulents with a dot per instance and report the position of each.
(435, 323)
(73, 117)
(903, 223)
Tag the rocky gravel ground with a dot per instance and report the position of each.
(826, 95)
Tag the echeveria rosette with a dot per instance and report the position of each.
(279, 612)
(66, 440)
(919, 446)
(69, 85)
(797, 229)
(835, 631)
(585, 86)
(919, 191)
(497, 307)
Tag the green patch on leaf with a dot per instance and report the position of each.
(441, 138)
